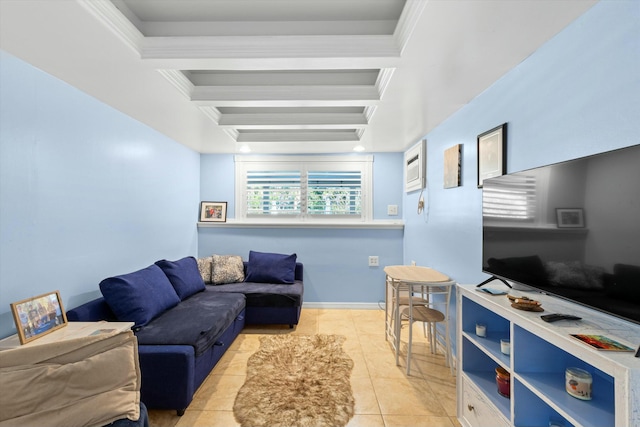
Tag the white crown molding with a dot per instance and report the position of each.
(368, 112)
(109, 15)
(384, 77)
(179, 80)
(408, 19)
(213, 113)
(234, 134)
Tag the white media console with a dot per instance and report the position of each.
(540, 354)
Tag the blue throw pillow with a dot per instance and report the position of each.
(184, 275)
(271, 268)
(139, 296)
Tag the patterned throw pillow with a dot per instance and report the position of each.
(205, 265)
(227, 269)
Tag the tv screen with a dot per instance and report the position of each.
(570, 229)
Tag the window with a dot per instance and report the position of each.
(294, 188)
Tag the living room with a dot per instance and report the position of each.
(87, 192)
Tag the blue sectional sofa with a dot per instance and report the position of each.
(184, 326)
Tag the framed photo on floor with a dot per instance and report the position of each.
(38, 316)
(213, 211)
(492, 153)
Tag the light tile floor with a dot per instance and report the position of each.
(385, 396)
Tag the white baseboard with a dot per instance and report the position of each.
(345, 305)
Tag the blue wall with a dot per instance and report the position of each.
(85, 191)
(577, 95)
(335, 260)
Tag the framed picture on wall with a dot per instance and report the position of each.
(213, 211)
(492, 153)
(570, 217)
(38, 316)
(452, 166)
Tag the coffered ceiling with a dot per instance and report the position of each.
(283, 76)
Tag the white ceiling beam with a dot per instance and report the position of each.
(273, 63)
(285, 96)
(266, 28)
(299, 136)
(357, 46)
(249, 52)
(293, 121)
(271, 53)
(301, 147)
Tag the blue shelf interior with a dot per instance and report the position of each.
(530, 410)
(480, 369)
(543, 366)
(497, 326)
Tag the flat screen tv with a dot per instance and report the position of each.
(570, 229)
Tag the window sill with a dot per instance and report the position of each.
(376, 224)
(546, 228)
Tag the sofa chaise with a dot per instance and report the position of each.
(184, 326)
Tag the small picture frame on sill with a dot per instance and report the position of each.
(492, 153)
(213, 211)
(570, 217)
(38, 316)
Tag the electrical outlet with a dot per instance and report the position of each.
(392, 209)
(413, 263)
(374, 261)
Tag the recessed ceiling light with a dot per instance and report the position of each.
(358, 148)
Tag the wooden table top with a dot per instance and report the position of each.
(415, 274)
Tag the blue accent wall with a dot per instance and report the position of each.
(577, 95)
(85, 191)
(335, 260)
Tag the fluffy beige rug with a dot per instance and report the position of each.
(297, 381)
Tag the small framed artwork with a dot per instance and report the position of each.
(570, 218)
(38, 316)
(492, 153)
(213, 211)
(452, 166)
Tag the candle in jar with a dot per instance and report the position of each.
(505, 346)
(481, 329)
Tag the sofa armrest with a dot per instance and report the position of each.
(299, 271)
(92, 311)
(168, 373)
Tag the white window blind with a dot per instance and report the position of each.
(299, 188)
(273, 192)
(334, 193)
(513, 198)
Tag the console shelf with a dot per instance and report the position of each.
(540, 354)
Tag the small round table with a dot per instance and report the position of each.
(406, 277)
